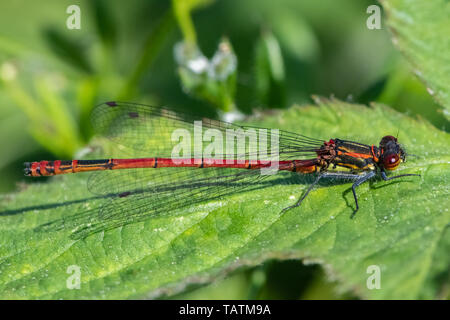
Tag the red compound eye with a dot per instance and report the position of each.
(391, 161)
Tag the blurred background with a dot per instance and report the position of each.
(222, 58)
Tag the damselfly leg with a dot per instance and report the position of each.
(369, 175)
(297, 204)
(386, 178)
(358, 178)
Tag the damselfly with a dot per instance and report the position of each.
(171, 179)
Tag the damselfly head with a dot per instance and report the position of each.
(391, 153)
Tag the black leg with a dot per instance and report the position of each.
(335, 175)
(357, 183)
(306, 194)
(358, 178)
(386, 178)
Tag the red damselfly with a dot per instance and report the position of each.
(142, 186)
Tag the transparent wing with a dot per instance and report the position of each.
(134, 195)
(156, 131)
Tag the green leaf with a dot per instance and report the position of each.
(68, 50)
(437, 284)
(154, 43)
(421, 30)
(295, 34)
(49, 119)
(401, 225)
(104, 21)
(269, 72)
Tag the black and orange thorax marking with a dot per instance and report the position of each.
(355, 156)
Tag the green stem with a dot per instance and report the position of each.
(182, 11)
(152, 47)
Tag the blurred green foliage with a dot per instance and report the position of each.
(51, 77)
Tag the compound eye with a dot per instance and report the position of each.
(389, 138)
(386, 139)
(391, 161)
